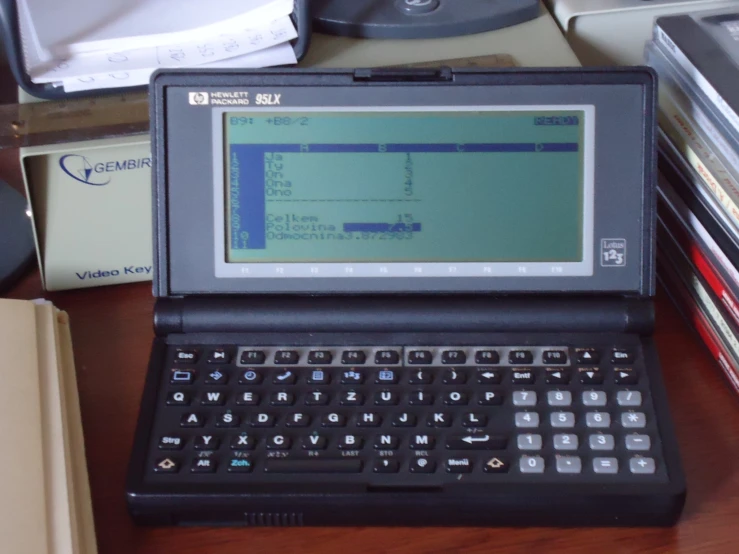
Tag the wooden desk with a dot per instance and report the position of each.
(112, 331)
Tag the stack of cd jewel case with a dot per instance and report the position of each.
(696, 57)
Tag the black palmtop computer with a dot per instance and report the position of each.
(404, 297)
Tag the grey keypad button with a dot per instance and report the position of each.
(562, 419)
(531, 464)
(559, 398)
(642, 465)
(638, 442)
(594, 398)
(529, 442)
(527, 419)
(569, 464)
(524, 398)
(598, 420)
(634, 420)
(601, 442)
(565, 441)
(605, 465)
(628, 398)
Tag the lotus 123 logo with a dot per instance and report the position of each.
(80, 168)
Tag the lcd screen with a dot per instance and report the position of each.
(384, 187)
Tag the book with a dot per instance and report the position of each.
(46, 506)
(703, 45)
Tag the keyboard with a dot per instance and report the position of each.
(423, 416)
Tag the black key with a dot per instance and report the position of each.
(228, 419)
(439, 419)
(368, 419)
(250, 377)
(353, 357)
(243, 442)
(192, 420)
(351, 398)
(522, 376)
(167, 465)
(248, 399)
(216, 377)
(316, 398)
(350, 442)
(421, 442)
(387, 377)
(285, 377)
(490, 398)
(278, 442)
(458, 465)
(421, 377)
(252, 357)
(171, 442)
(489, 376)
(320, 357)
(420, 357)
(262, 420)
(388, 357)
(219, 356)
(333, 420)
(476, 442)
(287, 357)
(550, 357)
(556, 376)
(386, 398)
(282, 399)
(213, 398)
(386, 465)
(352, 377)
(319, 377)
(474, 419)
(625, 376)
(206, 442)
(314, 442)
(204, 465)
(487, 357)
(516, 357)
(422, 465)
(452, 357)
(186, 356)
(240, 465)
(591, 375)
(404, 420)
(454, 376)
(455, 398)
(297, 420)
(587, 356)
(622, 356)
(315, 465)
(386, 442)
(496, 465)
(178, 398)
(420, 398)
(182, 377)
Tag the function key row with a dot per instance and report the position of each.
(420, 376)
(383, 356)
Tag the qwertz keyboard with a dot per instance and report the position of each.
(420, 415)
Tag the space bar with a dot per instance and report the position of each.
(313, 466)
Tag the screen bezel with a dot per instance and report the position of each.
(389, 270)
(625, 105)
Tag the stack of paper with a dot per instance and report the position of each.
(46, 507)
(91, 44)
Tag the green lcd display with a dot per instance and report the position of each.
(425, 186)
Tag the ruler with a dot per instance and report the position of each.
(81, 119)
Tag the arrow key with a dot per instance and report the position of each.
(556, 376)
(591, 375)
(587, 356)
(625, 376)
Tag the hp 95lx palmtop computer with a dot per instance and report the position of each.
(404, 297)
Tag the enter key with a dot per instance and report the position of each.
(476, 442)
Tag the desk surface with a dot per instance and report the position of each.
(112, 331)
